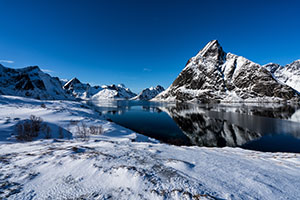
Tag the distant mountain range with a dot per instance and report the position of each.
(211, 76)
(214, 76)
(84, 91)
(34, 83)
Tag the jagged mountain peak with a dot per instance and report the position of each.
(71, 82)
(213, 75)
(212, 50)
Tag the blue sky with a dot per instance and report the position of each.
(142, 43)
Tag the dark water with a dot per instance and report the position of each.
(258, 127)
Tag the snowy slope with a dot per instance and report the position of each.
(149, 93)
(30, 82)
(121, 164)
(213, 75)
(288, 74)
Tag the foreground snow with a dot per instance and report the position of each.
(120, 164)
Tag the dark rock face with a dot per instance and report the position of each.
(204, 130)
(70, 84)
(214, 126)
(213, 75)
(30, 82)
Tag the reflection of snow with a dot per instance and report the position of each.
(296, 116)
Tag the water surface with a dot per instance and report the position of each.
(262, 127)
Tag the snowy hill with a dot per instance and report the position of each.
(114, 92)
(149, 93)
(30, 82)
(288, 74)
(214, 75)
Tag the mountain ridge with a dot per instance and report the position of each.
(213, 75)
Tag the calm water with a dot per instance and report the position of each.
(264, 127)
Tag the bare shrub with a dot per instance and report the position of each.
(25, 131)
(36, 123)
(30, 129)
(82, 131)
(96, 130)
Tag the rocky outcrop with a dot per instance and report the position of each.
(213, 75)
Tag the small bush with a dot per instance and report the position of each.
(30, 128)
(96, 130)
(36, 123)
(82, 132)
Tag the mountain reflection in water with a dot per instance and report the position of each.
(264, 128)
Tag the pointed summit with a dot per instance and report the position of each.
(71, 82)
(212, 50)
(213, 76)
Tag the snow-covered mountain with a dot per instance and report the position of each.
(34, 83)
(213, 75)
(31, 82)
(113, 92)
(81, 90)
(149, 93)
(288, 74)
(85, 91)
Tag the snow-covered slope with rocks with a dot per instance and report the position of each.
(213, 75)
(113, 92)
(288, 74)
(149, 93)
(81, 90)
(121, 164)
(30, 82)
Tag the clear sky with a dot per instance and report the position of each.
(142, 43)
